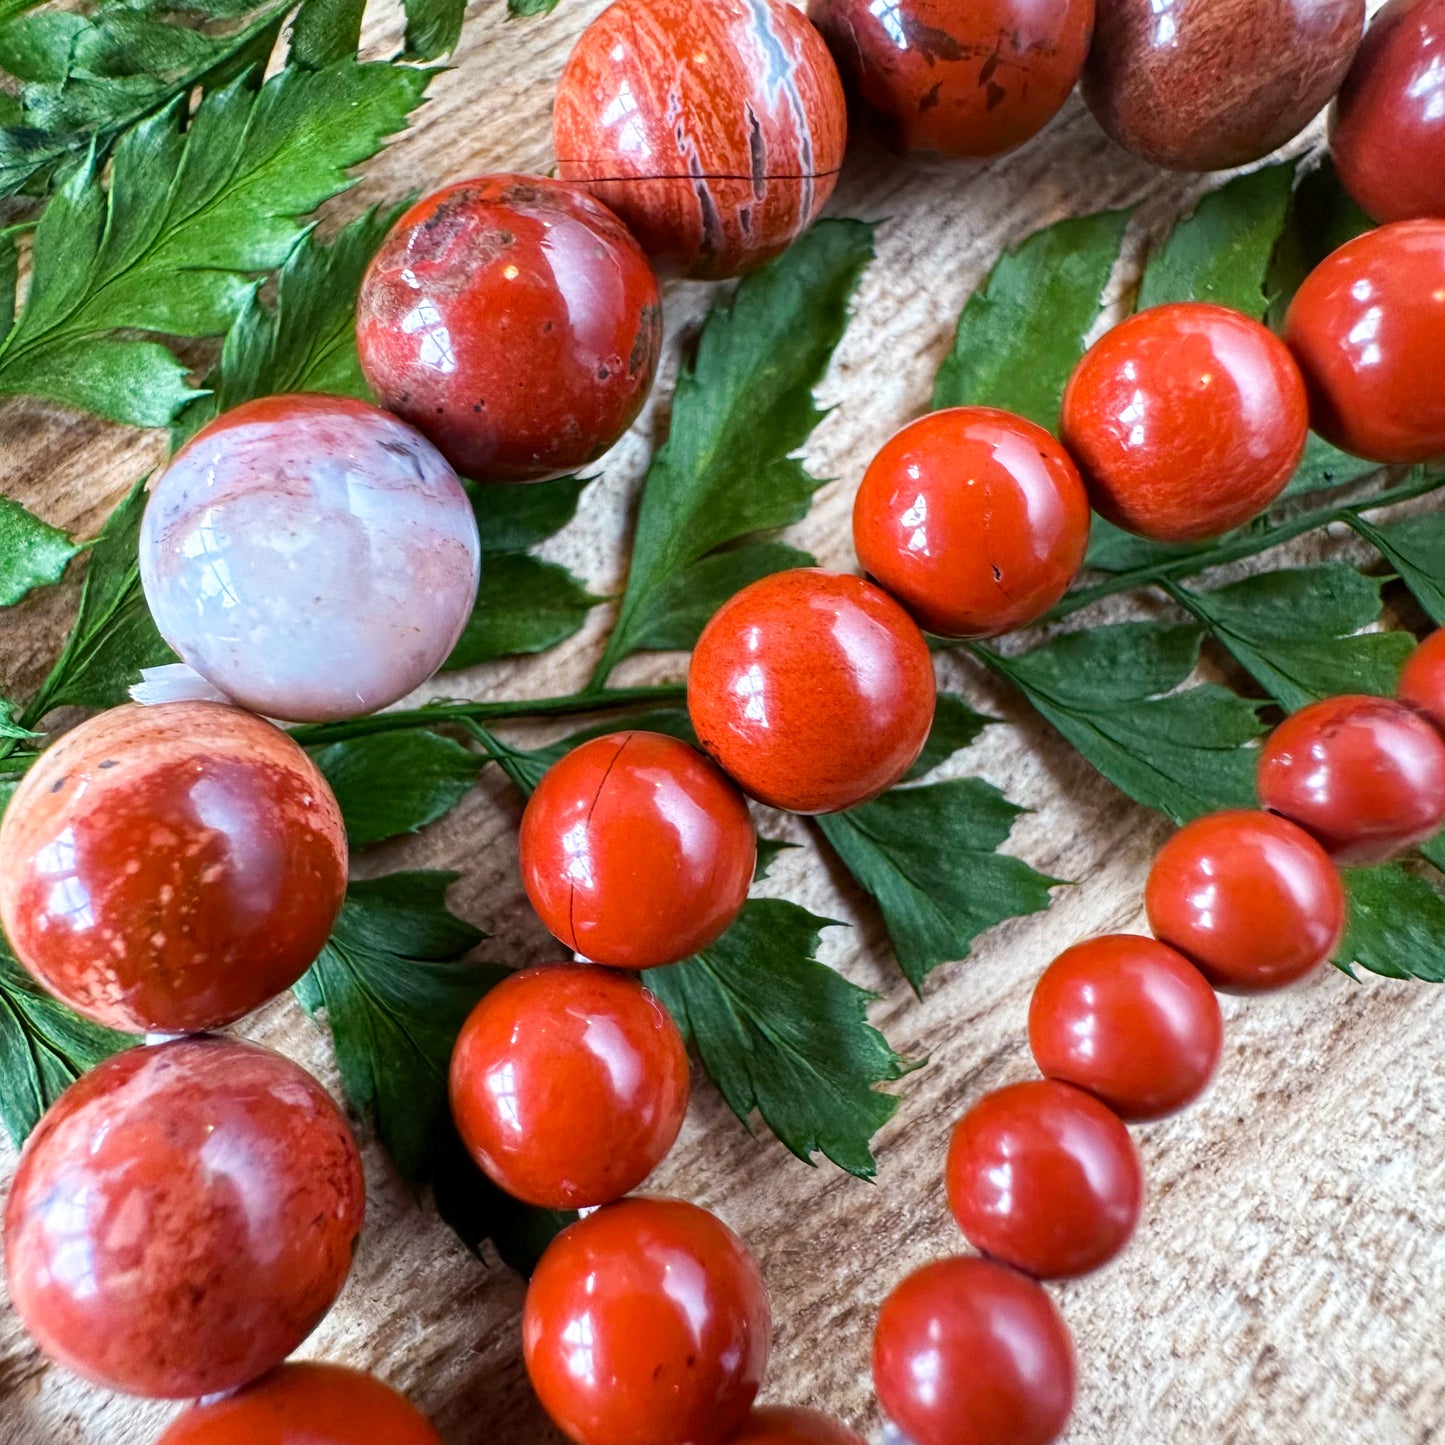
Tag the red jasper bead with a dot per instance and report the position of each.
(1129, 1020)
(1368, 328)
(167, 869)
(1186, 420)
(814, 690)
(305, 1404)
(968, 1352)
(786, 1425)
(514, 322)
(1253, 901)
(1422, 680)
(1043, 1177)
(183, 1217)
(569, 1085)
(970, 81)
(1387, 127)
(974, 519)
(636, 851)
(714, 128)
(1364, 776)
(647, 1323)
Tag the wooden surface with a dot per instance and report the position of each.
(1287, 1281)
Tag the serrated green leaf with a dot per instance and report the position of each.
(520, 8)
(388, 784)
(1324, 466)
(740, 411)
(1022, 332)
(325, 31)
(32, 553)
(523, 605)
(768, 851)
(1321, 218)
(783, 1034)
(1396, 924)
(1111, 692)
(927, 855)
(1434, 850)
(1221, 252)
(1415, 548)
(1112, 549)
(433, 27)
(514, 518)
(955, 726)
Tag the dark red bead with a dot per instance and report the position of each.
(1422, 680)
(787, 1425)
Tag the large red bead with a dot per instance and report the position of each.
(971, 80)
(1364, 776)
(974, 519)
(569, 1085)
(1131, 1021)
(647, 1323)
(1186, 420)
(1368, 330)
(714, 128)
(1253, 901)
(1043, 1177)
(1387, 128)
(813, 689)
(636, 851)
(166, 869)
(788, 1425)
(305, 1404)
(968, 1352)
(514, 322)
(183, 1217)
(1422, 680)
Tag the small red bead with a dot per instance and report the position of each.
(569, 1085)
(1422, 681)
(967, 1352)
(714, 128)
(1043, 1177)
(1368, 330)
(1364, 776)
(647, 1323)
(814, 690)
(1387, 127)
(970, 80)
(1131, 1021)
(974, 519)
(1253, 901)
(305, 1404)
(514, 322)
(636, 851)
(1186, 420)
(168, 869)
(183, 1217)
(787, 1425)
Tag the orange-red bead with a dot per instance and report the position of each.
(1422, 680)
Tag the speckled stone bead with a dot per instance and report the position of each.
(311, 556)
(714, 128)
(182, 1218)
(170, 868)
(1204, 85)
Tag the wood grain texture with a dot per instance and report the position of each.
(1287, 1280)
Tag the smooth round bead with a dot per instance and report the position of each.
(1186, 420)
(970, 80)
(1043, 1177)
(1387, 127)
(1368, 330)
(636, 851)
(1206, 85)
(1422, 680)
(1129, 1020)
(1253, 901)
(967, 1352)
(305, 1404)
(167, 869)
(514, 322)
(1363, 776)
(814, 690)
(311, 557)
(182, 1218)
(647, 1323)
(569, 1085)
(974, 519)
(714, 128)
(788, 1425)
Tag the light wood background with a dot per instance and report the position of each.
(1288, 1281)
